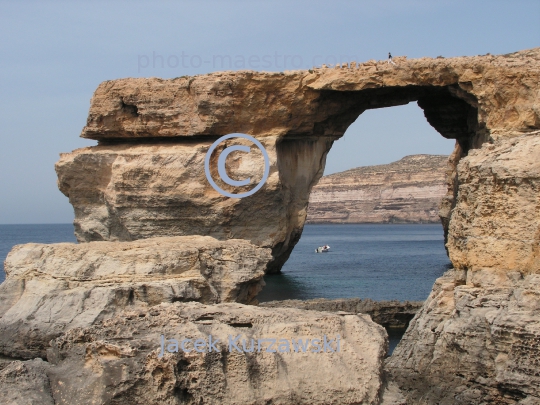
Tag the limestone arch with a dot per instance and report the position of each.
(145, 177)
(450, 110)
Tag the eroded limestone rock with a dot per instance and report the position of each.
(495, 223)
(476, 341)
(118, 361)
(393, 314)
(52, 288)
(146, 178)
(477, 338)
(128, 192)
(25, 383)
(322, 102)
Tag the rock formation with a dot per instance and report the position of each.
(50, 289)
(475, 339)
(390, 314)
(489, 104)
(25, 383)
(118, 361)
(146, 177)
(495, 222)
(407, 191)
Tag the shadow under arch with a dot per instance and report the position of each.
(450, 110)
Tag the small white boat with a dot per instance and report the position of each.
(322, 249)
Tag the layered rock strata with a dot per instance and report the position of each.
(321, 102)
(50, 289)
(121, 362)
(407, 191)
(128, 192)
(146, 178)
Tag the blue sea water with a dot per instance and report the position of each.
(11, 235)
(382, 262)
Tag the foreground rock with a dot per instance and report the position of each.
(118, 362)
(146, 177)
(52, 288)
(390, 314)
(476, 339)
(25, 383)
(407, 191)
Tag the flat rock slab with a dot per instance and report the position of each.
(394, 314)
(52, 288)
(121, 361)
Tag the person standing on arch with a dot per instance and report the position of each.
(390, 59)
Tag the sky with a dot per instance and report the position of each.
(53, 55)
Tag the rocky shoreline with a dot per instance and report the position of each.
(162, 254)
(389, 314)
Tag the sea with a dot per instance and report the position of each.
(11, 235)
(381, 262)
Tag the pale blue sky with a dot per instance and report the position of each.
(53, 54)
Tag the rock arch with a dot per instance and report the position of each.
(146, 173)
(476, 338)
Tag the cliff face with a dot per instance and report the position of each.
(407, 191)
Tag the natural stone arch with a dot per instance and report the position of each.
(146, 173)
(475, 340)
(453, 116)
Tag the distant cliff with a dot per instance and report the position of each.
(406, 191)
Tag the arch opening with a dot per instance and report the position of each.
(450, 110)
(451, 117)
